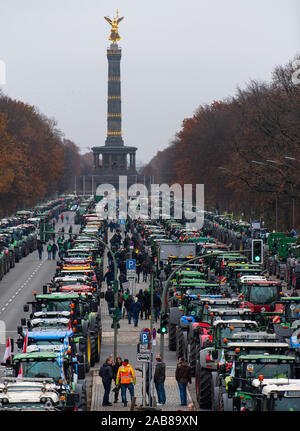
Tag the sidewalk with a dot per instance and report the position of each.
(128, 338)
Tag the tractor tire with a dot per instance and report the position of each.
(193, 355)
(88, 355)
(203, 387)
(93, 351)
(98, 345)
(172, 337)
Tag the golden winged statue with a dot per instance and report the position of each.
(114, 35)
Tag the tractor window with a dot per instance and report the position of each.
(263, 295)
(268, 370)
(292, 312)
(46, 369)
(59, 305)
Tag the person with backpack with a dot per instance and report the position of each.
(40, 249)
(106, 372)
(126, 378)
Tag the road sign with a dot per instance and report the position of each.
(276, 319)
(154, 333)
(143, 357)
(145, 338)
(130, 264)
(143, 348)
(131, 274)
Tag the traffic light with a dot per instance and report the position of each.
(257, 251)
(164, 323)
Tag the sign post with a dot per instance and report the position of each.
(131, 273)
(144, 355)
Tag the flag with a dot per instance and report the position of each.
(20, 374)
(7, 352)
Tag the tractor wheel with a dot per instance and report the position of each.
(80, 389)
(179, 342)
(88, 355)
(225, 403)
(203, 387)
(172, 337)
(93, 351)
(194, 354)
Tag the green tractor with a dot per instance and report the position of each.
(211, 353)
(239, 386)
(86, 319)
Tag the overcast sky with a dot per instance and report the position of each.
(176, 55)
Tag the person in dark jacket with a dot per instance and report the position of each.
(115, 368)
(183, 376)
(159, 380)
(109, 277)
(106, 372)
(135, 309)
(54, 250)
(109, 298)
(40, 250)
(147, 303)
(156, 306)
(127, 304)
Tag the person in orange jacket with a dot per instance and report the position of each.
(126, 378)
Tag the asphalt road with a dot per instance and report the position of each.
(18, 285)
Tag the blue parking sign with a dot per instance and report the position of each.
(130, 263)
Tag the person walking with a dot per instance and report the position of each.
(40, 250)
(127, 305)
(109, 298)
(138, 270)
(135, 309)
(159, 379)
(147, 303)
(67, 219)
(54, 250)
(156, 306)
(120, 302)
(183, 376)
(116, 367)
(62, 218)
(106, 372)
(49, 250)
(108, 277)
(126, 378)
(145, 270)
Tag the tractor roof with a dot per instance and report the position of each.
(35, 355)
(266, 357)
(235, 322)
